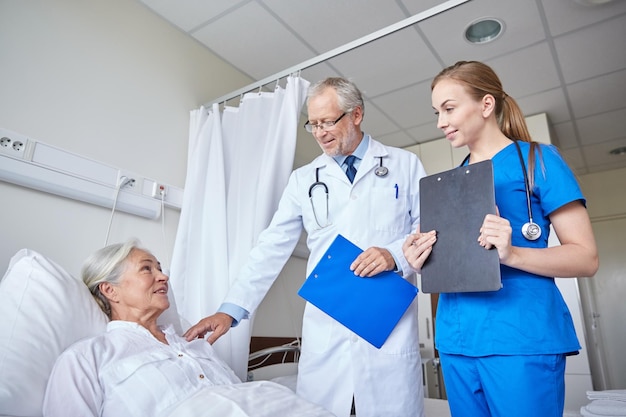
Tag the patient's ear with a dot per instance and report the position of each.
(109, 291)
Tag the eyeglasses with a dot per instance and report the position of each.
(322, 125)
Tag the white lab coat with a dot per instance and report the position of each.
(336, 364)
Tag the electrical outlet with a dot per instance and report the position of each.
(127, 181)
(159, 190)
(18, 146)
(12, 145)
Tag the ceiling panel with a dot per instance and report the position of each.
(406, 107)
(598, 94)
(377, 122)
(602, 127)
(567, 16)
(592, 51)
(549, 102)
(403, 54)
(595, 155)
(318, 72)
(428, 130)
(259, 55)
(189, 14)
(527, 71)
(326, 24)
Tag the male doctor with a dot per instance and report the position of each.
(375, 208)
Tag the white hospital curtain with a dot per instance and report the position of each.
(239, 163)
(203, 203)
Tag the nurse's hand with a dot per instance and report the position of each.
(417, 248)
(373, 261)
(496, 232)
(218, 323)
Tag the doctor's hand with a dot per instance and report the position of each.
(417, 247)
(373, 261)
(218, 323)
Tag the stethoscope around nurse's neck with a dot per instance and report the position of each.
(380, 171)
(530, 230)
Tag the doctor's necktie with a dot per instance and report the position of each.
(350, 168)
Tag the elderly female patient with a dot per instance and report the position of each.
(136, 368)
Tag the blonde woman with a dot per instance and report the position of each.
(503, 352)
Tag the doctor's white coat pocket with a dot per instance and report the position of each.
(389, 210)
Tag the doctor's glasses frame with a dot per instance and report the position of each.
(322, 125)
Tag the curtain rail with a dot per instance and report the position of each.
(342, 49)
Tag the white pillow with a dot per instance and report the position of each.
(43, 310)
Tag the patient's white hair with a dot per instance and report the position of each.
(107, 265)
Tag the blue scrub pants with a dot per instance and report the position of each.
(505, 386)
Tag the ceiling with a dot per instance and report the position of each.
(558, 57)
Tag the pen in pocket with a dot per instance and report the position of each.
(396, 187)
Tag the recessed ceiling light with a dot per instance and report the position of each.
(484, 30)
(618, 151)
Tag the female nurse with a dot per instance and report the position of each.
(503, 353)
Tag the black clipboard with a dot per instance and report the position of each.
(454, 203)
(370, 307)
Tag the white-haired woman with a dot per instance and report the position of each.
(136, 368)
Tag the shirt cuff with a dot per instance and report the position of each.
(397, 270)
(236, 312)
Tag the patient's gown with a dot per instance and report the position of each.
(127, 372)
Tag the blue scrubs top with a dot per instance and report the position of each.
(528, 314)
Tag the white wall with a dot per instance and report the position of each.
(113, 82)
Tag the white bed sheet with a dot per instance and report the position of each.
(432, 407)
(250, 399)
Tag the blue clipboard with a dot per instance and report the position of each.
(370, 307)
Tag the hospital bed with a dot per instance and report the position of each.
(43, 310)
(277, 360)
(278, 363)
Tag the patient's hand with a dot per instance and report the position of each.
(218, 324)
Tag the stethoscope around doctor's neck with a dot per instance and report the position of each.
(530, 230)
(380, 171)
